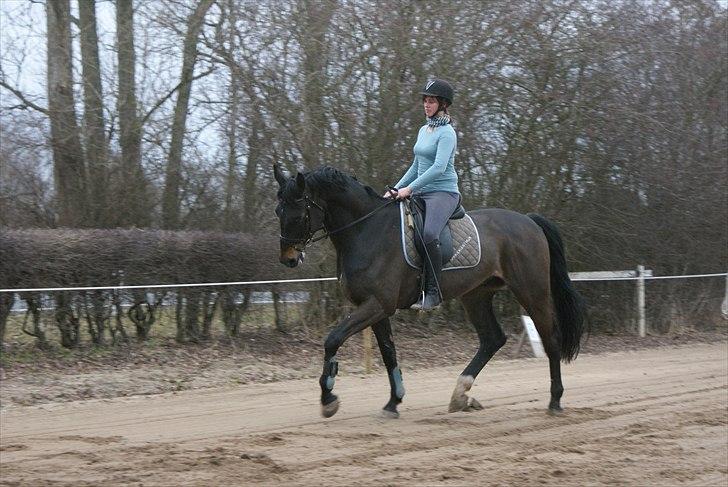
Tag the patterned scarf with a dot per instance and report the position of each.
(439, 119)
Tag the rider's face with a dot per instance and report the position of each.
(431, 104)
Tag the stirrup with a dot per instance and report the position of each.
(437, 302)
(420, 302)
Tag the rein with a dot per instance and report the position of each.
(310, 237)
(349, 225)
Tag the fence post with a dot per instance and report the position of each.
(367, 336)
(724, 306)
(641, 324)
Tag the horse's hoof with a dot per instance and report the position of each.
(555, 411)
(458, 404)
(474, 405)
(387, 414)
(328, 410)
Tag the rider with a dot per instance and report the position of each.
(432, 177)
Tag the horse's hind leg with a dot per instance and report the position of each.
(383, 332)
(478, 305)
(536, 300)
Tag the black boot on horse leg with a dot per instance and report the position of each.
(433, 273)
(329, 401)
(383, 332)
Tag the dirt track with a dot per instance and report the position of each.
(657, 417)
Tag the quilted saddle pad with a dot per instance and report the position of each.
(466, 242)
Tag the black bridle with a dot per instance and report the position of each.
(300, 243)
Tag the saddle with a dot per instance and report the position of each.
(459, 240)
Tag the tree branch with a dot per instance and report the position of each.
(26, 103)
(166, 97)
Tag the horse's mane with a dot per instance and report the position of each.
(327, 179)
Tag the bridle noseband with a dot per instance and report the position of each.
(300, 243)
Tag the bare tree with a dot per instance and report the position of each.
(313, 18)
(173, 174)
(94, 124)
(231, 128)
(69, 167)
(132, 196)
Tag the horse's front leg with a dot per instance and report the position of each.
(365, 315)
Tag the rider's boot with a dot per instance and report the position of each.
(433, 271)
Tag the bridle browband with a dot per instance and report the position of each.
(300, 244)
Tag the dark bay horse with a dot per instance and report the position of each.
(522, 253)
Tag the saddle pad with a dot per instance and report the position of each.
(465, 242)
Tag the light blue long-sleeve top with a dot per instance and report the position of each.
(433, 168)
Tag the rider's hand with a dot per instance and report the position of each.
(403, 193)
(390, 193)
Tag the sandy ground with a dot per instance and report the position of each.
(650, 417)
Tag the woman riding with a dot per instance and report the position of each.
(432, 177)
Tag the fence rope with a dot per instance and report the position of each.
(290, 281)
(157, 286)
(636, 278)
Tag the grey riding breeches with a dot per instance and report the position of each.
(439, 206)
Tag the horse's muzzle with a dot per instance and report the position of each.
(291, 257)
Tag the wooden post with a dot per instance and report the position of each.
(641, 323)
(367, 337)
(724, 306)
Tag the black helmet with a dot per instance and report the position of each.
(441, 88)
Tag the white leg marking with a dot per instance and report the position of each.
(465, 382)
(459, 400)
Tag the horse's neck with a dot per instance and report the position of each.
(344, 208)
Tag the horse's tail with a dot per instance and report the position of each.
(568, 303)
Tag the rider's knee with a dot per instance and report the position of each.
(429, 237)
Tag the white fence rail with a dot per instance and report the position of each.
(575, 276)
(640, 275)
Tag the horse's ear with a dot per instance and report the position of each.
(278, 173)
(300, 181)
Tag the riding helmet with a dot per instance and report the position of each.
(441, 88)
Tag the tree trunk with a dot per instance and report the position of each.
(33, 302)
(118, 319)
(192, 314)
(173, 176)
(94, 134)
(209, 305)
(250, 194)
(232, 312)
(143, 319)
(6, 304)
(132, 197)
(97, 316)
(315, 17)
(67, 320)
(68, 161)
(232, 169)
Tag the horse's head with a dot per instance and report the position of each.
(300, 216)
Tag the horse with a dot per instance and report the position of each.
(523, 253)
